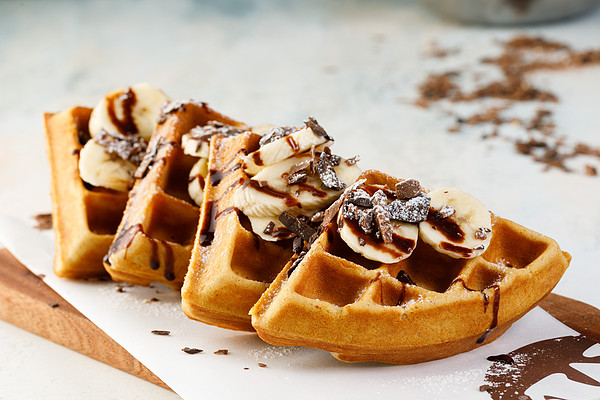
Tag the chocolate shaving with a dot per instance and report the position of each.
(222, 352)
(43, 222)
(382, 219)
(412, 210)
(316, 128)
(408, 189)
(360, 198)
(318, 217)
(206, 132)
(168, 109)
(191, 350)
(276, 133)
(327, 172)
(297, 226)
(161, 333)
(127, 147)
(262, 365)
(297, 245)
(351, 161)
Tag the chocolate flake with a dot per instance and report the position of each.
(191, 350)
(160, 333)
(382, 219)
(360, 198)
(408, 189)
(276, 133)
(204, 133)
(297, 226)
(223, 352)
(316, 128)
(127, 147)
(481, 233)
(262, 365)
(297, 245)
(327, 172)
(168, 109)
(445, 212)
(412, 210)
(351, 161)
(43, 222)
(361, 241)
(318, 217)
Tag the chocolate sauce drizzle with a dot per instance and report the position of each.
(125, 238)
(126, 125)
(536, 361)
(447, 226)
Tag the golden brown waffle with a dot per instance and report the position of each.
(360, 310)
(85, 218)
(230, 266)
(155, 237)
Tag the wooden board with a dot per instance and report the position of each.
(27, 302)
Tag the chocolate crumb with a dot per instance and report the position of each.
(351, 161)
(246, 368)
(53, 305)
(127, 147)
(481, 233)
(269, 228)
(262, 365)
(119, 289)
(160, 333)
(43, 222)
(361, 241)
(445, 212)
(317, 217)
(408, 189)
(152, 300)
(223, 352)
(590, 170)
(191, 350)
(404, 278)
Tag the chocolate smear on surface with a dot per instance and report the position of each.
(43, 222)
(127, 147)
(536, 361)
(316, 128)
(297, 226)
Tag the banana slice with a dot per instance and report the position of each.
(128, 111)
(458, 224)
(196, 180)
(405, 237)
(263, 198)
(98, 168)
(285, 147)
(194, 147)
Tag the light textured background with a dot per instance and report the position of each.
(354, 65)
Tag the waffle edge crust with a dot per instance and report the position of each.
(332, 300)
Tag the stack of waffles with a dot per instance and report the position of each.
(268, 230)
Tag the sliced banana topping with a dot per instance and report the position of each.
(99, 168)
(268, 194)
(364, 224)
(458, 224)
(197, 179)
(283, 143)
(127, 111)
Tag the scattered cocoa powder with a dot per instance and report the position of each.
(521, 56)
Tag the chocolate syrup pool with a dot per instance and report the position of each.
(512, 374)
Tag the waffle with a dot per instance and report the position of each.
(155, 237)
(85, 218)
(425, 307)
(228, 269)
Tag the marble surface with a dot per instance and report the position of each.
(354, 65)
